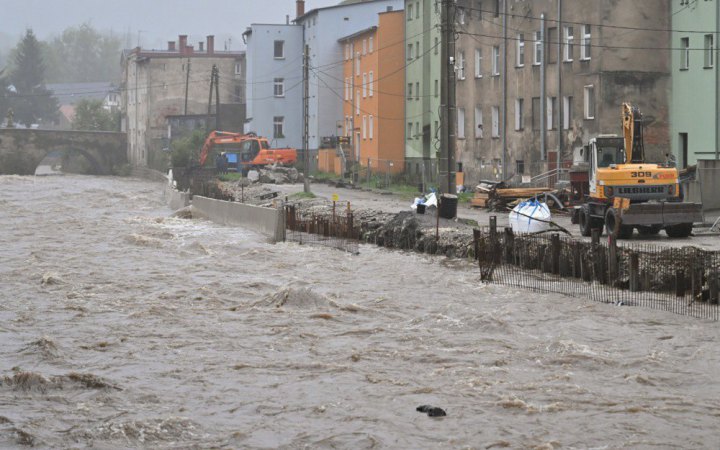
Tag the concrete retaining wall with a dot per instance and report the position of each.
(175, 199)
(706, 186)
(267, 221)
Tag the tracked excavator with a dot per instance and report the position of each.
(245, 151)
(625, 192)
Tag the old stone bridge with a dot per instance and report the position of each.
(22, 150)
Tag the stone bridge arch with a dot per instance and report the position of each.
(22, 150)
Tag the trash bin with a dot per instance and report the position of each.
(448, 206)
(420, 208)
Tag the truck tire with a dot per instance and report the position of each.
(624, 231)
(649, 230)
(680, 230)
(585, 222)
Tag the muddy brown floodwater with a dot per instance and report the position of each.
(121, 327)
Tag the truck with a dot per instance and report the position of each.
(245, 151)
(622, 192)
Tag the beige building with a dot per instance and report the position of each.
(155, 84)
(514, 107)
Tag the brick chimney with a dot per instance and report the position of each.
(189, 50)
(171, 46)
(182, 43)
(210, 44)
(201, 47)
(299, 8)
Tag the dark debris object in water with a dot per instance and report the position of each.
(432, 411)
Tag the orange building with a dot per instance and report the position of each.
(374, 106)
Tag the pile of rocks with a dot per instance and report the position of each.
(279, 175)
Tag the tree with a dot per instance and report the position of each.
(186, 149)
(91, 116)
(82, 54)
(30, 100)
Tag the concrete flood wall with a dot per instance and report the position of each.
(706, 186)
(267, 221)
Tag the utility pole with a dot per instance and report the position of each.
(187, 84)
(210, 94)
(559, 94)
(504, 91)
(448, 142)
(306, 116)
(217, 98)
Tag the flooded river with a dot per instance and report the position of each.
(122, 327)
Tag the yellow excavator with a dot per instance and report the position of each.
(626, 193)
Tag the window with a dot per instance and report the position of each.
(364, 47)
(495, 122)
(585, 45)
(709, 51)
(551, 39)
(238, 94)
(461, 66)
(409, 11)
(370, 84)
(589, 94)
(417, 10)
(409, 51)
(409, 94)
(478, 10)
(409, 131)
(568, 44)
(518, 114)
(348, 55)
(279, 50)
(437, 88)
(551, 112)
(495, 61)
(478, 122)
(567, 112)
(685, 53)
(357, 64)
(364, 85)
(437, 45)
(364, 127)
(370, 126)
(478, 63)
(520, 50)
(461, 15)
(417, 90)
(357, 105)
(417, 130)
(536, 113)
(278, 127)
(238, 67)
(537, 54)
(347, 89)
(437, 129)
(519, 167)
(461, 123)
(370, 45)
(497, 8)
(417, 49)
(279, 87)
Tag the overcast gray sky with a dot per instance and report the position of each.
(157, 21)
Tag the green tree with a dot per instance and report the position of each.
(187, 149)
(83, 54)
(30, 99)
(91, 116)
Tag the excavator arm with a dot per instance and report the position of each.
(633, 134)
(218, 137)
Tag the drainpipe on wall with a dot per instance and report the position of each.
(543, 93)
(504, 93)
(559, 94)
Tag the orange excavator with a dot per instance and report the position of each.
(246, 151)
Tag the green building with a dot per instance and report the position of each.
(422, 87)
(694, 99)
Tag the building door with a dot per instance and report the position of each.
(684, 149)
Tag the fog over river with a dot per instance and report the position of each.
(122, 327)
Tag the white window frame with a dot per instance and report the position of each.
(410, 51)
(537, 49)
(357, 64)
(550, 111)
(461, 66)
(478, 122)
(238, 68)
(520, 50)
(357, 104)
(496, 61)
(347, 52)
(279, 87)
(364, 85)
(409, 10)
(461, 15)
(282, 49)
(417, 130)
(410, 91)
(586, 44)
(371, 88)
(567, 111)
(437, 88)
(409, 130)
(364, 47)
(417, 90)
(518, 114)
(685, 53)
(417, 49)
(417, 10)
(371, 126)
(709, 51)
(278, 127)
(478, 63)
(495, 110)
(370, 45)
(364, 127)
(568, 41)
(347, 89)
(588, 100)
(461, 123)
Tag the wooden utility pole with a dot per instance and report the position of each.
(306, 117)
(448, 142)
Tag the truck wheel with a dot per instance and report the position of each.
(585, 222)
(624, 231)
(680, 230)
(649, 230)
